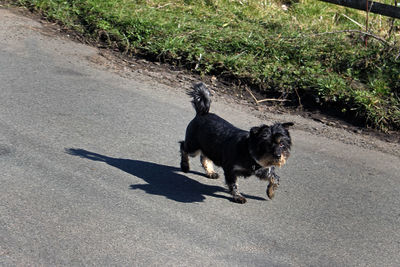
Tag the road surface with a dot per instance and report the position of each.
(89, 176)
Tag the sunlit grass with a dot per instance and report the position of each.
(280, 50)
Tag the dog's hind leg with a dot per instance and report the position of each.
(208, 167)
(231, 179)
(184, 158)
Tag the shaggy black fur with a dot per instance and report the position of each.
(238, 152)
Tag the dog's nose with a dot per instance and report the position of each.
(277, 156)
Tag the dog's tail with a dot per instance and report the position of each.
(201, 98)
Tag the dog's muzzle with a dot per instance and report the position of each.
(279, 162)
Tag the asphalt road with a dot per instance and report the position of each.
(89, 176)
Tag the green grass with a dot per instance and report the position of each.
(278, 52)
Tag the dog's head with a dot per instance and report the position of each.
(270, 145)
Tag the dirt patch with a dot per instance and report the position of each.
(177, 78)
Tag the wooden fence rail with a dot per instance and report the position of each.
(374, 7)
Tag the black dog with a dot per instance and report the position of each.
(238, 152)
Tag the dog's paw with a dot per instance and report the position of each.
(271, 190)
(213, 175)
(239, 199)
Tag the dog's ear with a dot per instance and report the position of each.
(286, 125)
(255, 131)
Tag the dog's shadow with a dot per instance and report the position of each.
(161, 179)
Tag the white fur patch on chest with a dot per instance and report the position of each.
(238, 168)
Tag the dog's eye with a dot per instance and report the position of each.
(281, 145)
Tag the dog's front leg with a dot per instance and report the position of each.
(269, 175)
(263, 173)
(231, 181)
(273, 179)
